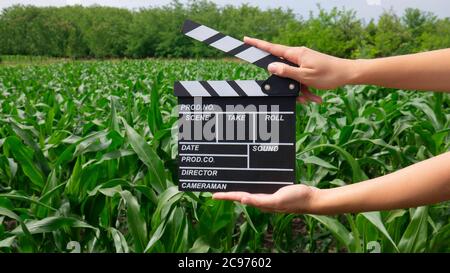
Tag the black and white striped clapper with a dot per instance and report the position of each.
(235, 135)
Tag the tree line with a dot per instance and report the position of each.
(104, 32)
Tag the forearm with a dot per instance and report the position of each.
(426, 182)
(421, 71)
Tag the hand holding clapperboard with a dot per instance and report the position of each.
(236, 135)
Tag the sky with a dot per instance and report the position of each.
(366, 9)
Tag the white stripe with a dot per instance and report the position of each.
(251, 88)
(195, 89)
(234, 143)
(237, 169)
(223, 89)
(202, 33)
(217, 128)
(227, 43)
(252, 54)
(248, 156)
(239, 182)
(225, 155)
(235, 112)
(254, 127)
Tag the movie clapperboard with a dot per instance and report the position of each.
(236, 135)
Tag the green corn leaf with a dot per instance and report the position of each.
(17, 196)
(414, 238)
(74, 185)
(339, 231)
(247, 216)
(120, 243)
(51, 224)
(375, 218)
(440, 239)
(7, 242)
(165, 204)
(345, 134)
(199, 246)
(156, 236)
(147, 155)
(357, 173)
(136, 223)
(9, 213)
(28, 140)
(318, 161)
(24, 157)
(154, 113)
(114, 119)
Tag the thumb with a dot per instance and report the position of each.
(284, 70)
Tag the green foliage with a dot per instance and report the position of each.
(87, 156)
(84, 32)
(337, 32)
(108, 32)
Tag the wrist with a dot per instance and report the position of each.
(315, 201)
(326, 202)
(355, 71)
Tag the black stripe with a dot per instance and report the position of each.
(208, 88)
(236, 88)
(260, 82)
(263, 62)
(189, 25)
(180, 91)
(239, 49)
(214, 38)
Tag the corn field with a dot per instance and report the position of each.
(88, 164)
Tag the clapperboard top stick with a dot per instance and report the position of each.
(273, 86)
(236, 135)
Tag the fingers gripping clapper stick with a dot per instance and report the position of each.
(236, 135)
(244, 52)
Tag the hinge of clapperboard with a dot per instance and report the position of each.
(273, 86)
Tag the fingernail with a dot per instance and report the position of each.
(273, 68)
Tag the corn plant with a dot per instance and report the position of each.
(88, 163)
